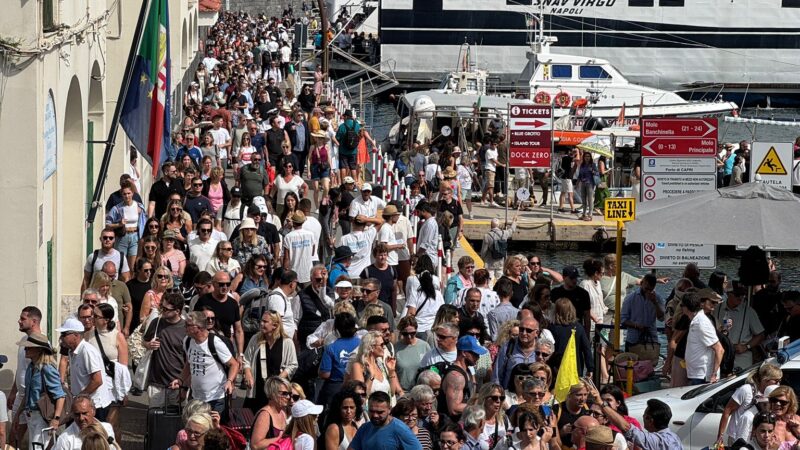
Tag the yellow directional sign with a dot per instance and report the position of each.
(771, 164)
(620, 209)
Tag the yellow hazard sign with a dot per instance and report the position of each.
(771, 164)
(620, 209)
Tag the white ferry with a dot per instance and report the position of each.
(735, 47)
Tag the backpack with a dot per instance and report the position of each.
(283, 443)
(499, 248)
(47, 404)
(350, 137)
(251, 323)
(211, 347)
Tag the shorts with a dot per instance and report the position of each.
(489, 179)
(348, 161)
(318, 171)
(128, 244)
(466, 194)
(566, 186)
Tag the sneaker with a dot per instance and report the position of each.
(496, 205)
(471, 216)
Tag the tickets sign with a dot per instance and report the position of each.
(530, 129)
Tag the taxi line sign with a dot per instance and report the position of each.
(620, 209)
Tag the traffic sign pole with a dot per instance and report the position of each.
(618, 291)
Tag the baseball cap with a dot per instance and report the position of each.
(344, 283)
(569, 271)
(349, 180)
(366, 187)
(71, 325)
(470, 344)
(236, 191)
(304, 408)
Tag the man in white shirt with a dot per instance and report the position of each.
(209, 366)
(366, 205)
(84, 414)
(388, 236)
(311, 224)
(489, 170)
(404, 233)
(202, 248)
(298, 248)
(360, 240)
(280, 301)
(86, 370)
(703, 349)
(222, 137)
(428, 237)
(445, 348)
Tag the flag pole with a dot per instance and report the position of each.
(112, 132)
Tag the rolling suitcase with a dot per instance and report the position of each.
(163, 424)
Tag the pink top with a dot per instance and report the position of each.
(319, 155)
(215, 197)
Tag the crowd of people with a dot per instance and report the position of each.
(324, 308)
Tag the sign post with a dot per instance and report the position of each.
(774, 161)
(620, 210)
(530, 136)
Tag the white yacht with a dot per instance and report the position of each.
(732, 47)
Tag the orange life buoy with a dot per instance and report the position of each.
(542, 98)
(562, 99)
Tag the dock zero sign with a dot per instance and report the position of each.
(530, 139)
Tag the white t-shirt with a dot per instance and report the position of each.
(464, 177)
(741, 421)
(285, 187)
(283, 306)
(402, 231)
(70, 439)
(431, 172)
(221, 136)
(201, 252)
(208, 376)
(369, 208)
(388, 235)
(303, 442)
(360, 242)
(491, 154)
(83, 362)
(428, 312)
(598, 308)
(300, 244)
(312, 224)
(699, 355)
(435, 355)
(489, 300)
(245, 153)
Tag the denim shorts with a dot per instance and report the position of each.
(128, 244)
(318, 171)
(348, 161)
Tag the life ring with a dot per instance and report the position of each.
(542, 98)
(562, 99)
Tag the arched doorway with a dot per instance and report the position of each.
(71, 204)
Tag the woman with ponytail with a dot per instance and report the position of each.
(423, 297)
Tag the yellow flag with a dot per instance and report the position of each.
(568, 370)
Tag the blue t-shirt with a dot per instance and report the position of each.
(336, 355)
(394, 436)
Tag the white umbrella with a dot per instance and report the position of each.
(748, 214)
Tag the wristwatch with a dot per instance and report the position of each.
(748, 346)
(56, 417)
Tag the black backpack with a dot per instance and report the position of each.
(350, 137)
(211, 347)
(499, 248)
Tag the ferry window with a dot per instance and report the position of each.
(561, 71)
(641, 2)
(519, 2)
(594, 73)
(671, 2)
(791, 4)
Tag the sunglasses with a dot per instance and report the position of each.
(442, 337)
(408, 334)
(474, 334)
(286, 394)
(497, 398)
(165, 309)
(536, 394)
(597, 414)
(534, 263)
(147, 270)
(779, 402)
(369, 291)
(256, 160)
(205, 230)
(211, 319)
(296, 397)
(197, 184)
(542, 354)
(448, 444)
(175, 209)
(261, 266)
(107, 238)
(163, 277)
(150, 247)
(222, 284)
(226, 249)
(528, 330)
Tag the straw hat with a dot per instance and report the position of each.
(298, 217)
(37, 340)
(319, 134)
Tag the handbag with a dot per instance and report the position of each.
(143, 367)
(47, 405)
(646, 349)
(642, 369)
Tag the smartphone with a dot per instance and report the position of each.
(540, 433)
(547, 410)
